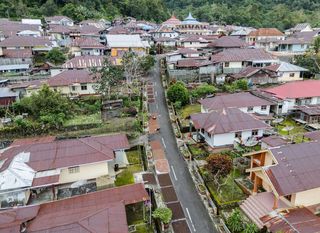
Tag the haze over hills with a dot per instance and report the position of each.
(258, 13)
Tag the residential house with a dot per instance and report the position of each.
(47, 166)
(16, 60)
(244, 101)
(296, 44)
(119, 44)
(226, 126)
(254, 76)
(87, 46)
(36, 44)
(300, 27)
(287, 72)
(166, 42)
(218, 30)
(164, 31)
(7, 97)
(192, 26)
(241, 32)
(308, 114)
(12, 28)
(99, 212)
(264, 37)
(84, 62)
(284, 178)
(192, 41)
(226, 42)
(59, 20)
(231, 61)
(181, 54)
(292, 94)
(273, 141)
(74, 83)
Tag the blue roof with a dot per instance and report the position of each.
(190, 20)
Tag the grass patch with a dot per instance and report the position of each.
(134, 156)
(186, 111)
(296, 134)
(84, 119)
(197, 152)
(126, 176)
(135, 216)
(230, 192)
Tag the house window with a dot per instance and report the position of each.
(254, 132)
(291, 75)
(264, 107)
(226, 64)
(238, 134)
(84, 87)
(73, 170)
(73, 88)
(250, 109)
(288, 197)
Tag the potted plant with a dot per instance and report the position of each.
(164, 214)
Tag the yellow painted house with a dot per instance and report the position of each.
(283, 177)
(119, 44)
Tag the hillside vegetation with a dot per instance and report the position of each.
(257, 13)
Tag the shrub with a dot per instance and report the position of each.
(221, 164)
(164, 214)
(178, 92)
(235, 222)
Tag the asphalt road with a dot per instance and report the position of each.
(195, 211)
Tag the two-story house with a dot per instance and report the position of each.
(264, 37)
(284, 178)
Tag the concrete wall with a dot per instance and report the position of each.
(285, 77)
(86, 172)
(257, 109)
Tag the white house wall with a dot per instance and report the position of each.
(285, 77)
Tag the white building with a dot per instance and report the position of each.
(226, 126)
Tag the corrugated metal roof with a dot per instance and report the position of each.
(124, 41)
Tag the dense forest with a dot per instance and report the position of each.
(257, 13)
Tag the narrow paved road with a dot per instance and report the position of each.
(195, 211)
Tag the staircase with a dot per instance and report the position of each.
(259, 205)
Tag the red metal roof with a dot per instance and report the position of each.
(298, 89)
(293, 220)
(28, 141)
(97, 212)
(43, 181)
(238, 54)
(87, 43)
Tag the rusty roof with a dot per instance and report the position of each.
(17, 53)
(87, 43)
(65, 153)
(27, 41)
(164, 180)
(228, 42)
(69, 77)
(274, 141)
(44, 181)
(241, 54)
(33, 140)
(298, 168)
(313, 135)
(226, 121)
(181, 226)
(293, 220)
(236, 100)
(169, 194)
(97, 212)
(149, 178)
(266, 32)
(312, 110)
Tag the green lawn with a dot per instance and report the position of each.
(296, 133)
(84, 119)
(126, 175)
(134, 156)
(230, 192)
(197, 152)
(186, 111)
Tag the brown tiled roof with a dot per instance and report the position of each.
(87, 43)
(181, 226)
(164, 180)
(192, 63)
(236, 100)
(66, 153)
(293, 220)
(177, 211)
(313, 135)
(17, 53)
(11, 28)
(62, 29)
(237, 55)
(118, 30)
(274, 141)
(298, 168)
(46, 180)
(228, 42)
(169, 194)
(69, 77)
(149, 178)
(172, 21)
(266, 32)
(187, 51)
(312, 110)
(83, 62)
(97, 212)
(26, 41)
(226, 120)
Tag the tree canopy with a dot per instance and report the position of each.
(257, 13)
(177, 92)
